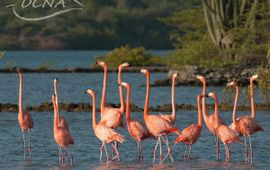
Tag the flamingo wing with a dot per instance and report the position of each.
(28, 120)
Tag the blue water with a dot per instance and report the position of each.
(56, 59)
(86, 148)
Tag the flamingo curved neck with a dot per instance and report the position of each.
(204, 109)
(103, 99)
(94, 121)
(120, 90)
(128, 119)
(235, 104)
(147, 95)
(199, 112)
(216, 111)
(173, 100)
(21, 94)
(252, 103)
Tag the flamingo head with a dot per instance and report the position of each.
(125, 84)
(89, 91)
(18, 70)
(232, 84)
(101, 63)
(201, 78)
(122, 66)
(175, 75)
(144, 71)
(55, 80)
(125, 65)
(199, 97)
(212, 94)
(254, 77)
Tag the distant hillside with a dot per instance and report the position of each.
(103, 24)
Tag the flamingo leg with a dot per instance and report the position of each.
(106, 152)
(29, 142)
(227, 153)
(160, 150)
(166, 141)
(141, 152)
(69, 154)
(217, 146)
(60, 154)
(185, 152)
(190, 148)
(24, 146)
(154, 151)
(246, 149)
(117, 153)
(250, 148)
(101, 151)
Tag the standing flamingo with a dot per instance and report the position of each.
(209, 119)
(61, 135)
(223, 132)
(191, 133)
(171, 118)
(62, 122)
(155, 124)
(102, 132)
(25, 119)
(245, 125)
(135, 128)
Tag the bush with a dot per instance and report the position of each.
(134, 56)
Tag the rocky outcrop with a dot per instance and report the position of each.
(214, 76)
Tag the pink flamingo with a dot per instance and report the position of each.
(135, 128)
(61, 135)
(102, 132)
(24, 117)
(156, 125)
(191, 133)
(62, 122)
(245, 125)
(209, 119)
(111, 117)
(223, 132)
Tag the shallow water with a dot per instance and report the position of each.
(86, 148)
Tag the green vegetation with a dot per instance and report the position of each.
(264, 79)
(103, 24)
(134, 56)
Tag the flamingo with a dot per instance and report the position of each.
(62, 136)
(209, 119)
(24, 117)
(223, 132)
(245, 125)
(191, 133)
(103, 133)
(135, 128)
(156, 125)
(171, 118)
(62, 122)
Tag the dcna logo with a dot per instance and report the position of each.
(54, 7)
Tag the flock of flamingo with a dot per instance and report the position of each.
(157, 126)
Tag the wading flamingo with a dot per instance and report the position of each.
(62, 136)
(223, 132)
(135, 128)
(25, 119)
(209, 119)
(245, 125)
(190, 134)
(156, 125)
(102, 132)
(62, 121)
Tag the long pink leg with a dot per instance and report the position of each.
(160, 150)
(185, 152)
(190, 147)
(251, 152)
(24, 146)
(166, 141)
(117, 153)
(246, 149)
(101, 151)
(29, 142)
(217, 146)
(106, 152)
(155, 151)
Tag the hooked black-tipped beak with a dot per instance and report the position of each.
(85, 91)
(56, 78)
(14, 68)
(119, 84)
